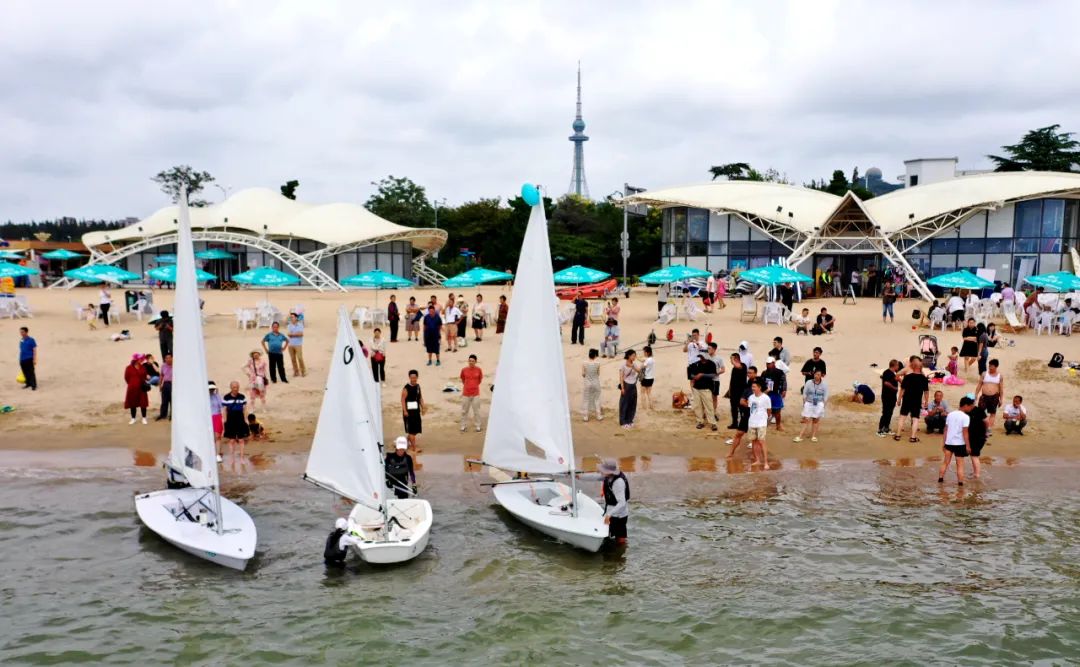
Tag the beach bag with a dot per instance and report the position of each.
(953, 380)
(378, 356)
(1056, 360)
(916, 314)
(20, 378)
(679, 400)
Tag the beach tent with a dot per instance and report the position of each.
(579, 275)
(101, 272)
(167, 274)
(477, 276)
(61, 254)
(960, 280)
(673, 274)
(1060, 281)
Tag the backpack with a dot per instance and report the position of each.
(1056, 360)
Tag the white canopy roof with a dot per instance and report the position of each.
(811, 208)
(259, 211)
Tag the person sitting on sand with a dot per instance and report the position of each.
(937, 411)
(802, 322)
(1015, 416)
(824, 324)
(255, 427)
(862, 394)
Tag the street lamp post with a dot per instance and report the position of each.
(438, 203)
(624, 240)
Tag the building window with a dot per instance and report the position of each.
(718, 248)
(698, 224)
(698, 248)
(1026, 245)
(1053, 218)
(678, 225)
(913, 180)
(1028, 219)
(971, 245)
(665, 226)
(999, 245)
(943, 246)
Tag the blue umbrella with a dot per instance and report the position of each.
(377, 279)
(100, 272)
(166, 259)
(579, 275)
(11, 254)
(265, 276)
(9, 270)
(167, 274)
(1060, 281)
(62, 253)
(960, 280)
(673, 274)
(774, 275)
(477, 276)
(214, 253)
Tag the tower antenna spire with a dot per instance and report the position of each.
(578, 185)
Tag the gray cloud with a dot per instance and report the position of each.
(472, 98)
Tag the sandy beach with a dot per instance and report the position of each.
(80, 373)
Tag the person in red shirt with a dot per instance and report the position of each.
(471, 377)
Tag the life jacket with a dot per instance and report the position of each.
(397, 468)
(333, 554)
(609, 495)
(708, 337)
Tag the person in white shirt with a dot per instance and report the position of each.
(802, 322)
(955, 308)
(648, 377)
(745, 354)
(451, 315)
(760, 406)
(104, 303)
(1015, 416)
(693, 347)
(710, 293)
(955, 442)
(815, 393)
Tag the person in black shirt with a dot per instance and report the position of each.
(400, 474)
(824, 323)
(813, 365)
(743, 425)
(977, 430)
(702, 373)
(889, 389)
(736, 385)
(914, 395)
(776, 387)
(787, 296)
(581, 313)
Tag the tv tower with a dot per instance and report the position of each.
(578, 186)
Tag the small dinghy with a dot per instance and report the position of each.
(346, 458)
(194, 518)
(529, 425)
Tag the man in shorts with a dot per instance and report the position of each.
(955, 440)
(742, 426)
(776, 384)
(913, 397)
(815, 393)
(978, 430)
(760, 406)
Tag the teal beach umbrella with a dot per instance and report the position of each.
(266, 276)
(673, 274)
(165, 259)
(167, 274)
(101, 272)
(62, 253)
(9, 270)
(10, 254)
(960, 280)
(477, 276)
(214, 253)
(377, 279)
(773, 275)
(579, 275)
(1059, 281)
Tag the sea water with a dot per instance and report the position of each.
(816, 563)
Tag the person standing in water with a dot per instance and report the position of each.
(337, 544)
(615, 493)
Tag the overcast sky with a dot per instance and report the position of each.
(470, 99)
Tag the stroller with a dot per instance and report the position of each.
(928, 348)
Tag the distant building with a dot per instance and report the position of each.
(873, 182)
(578, 185)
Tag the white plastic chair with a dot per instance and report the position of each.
(245, 317)
(749, 309)
(773, 313)
(566, 313)
(1065, 320)
(667, 314)
(596, 311)
(80, 310)
(1044, 321)
(264, 318)
(7, 308)
(22, 307)
(378, 317)
(937, 319)
(692, 311)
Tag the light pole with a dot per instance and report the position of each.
(624, 238)
(224, 191)
(438, 203)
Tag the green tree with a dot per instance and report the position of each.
(402, 201)
(1044, 149)
(173, 180)
(734, 171)
(289, 189)
(839, 186)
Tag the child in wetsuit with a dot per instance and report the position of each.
(256, 428)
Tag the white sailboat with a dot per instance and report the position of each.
(529, 425)
(345, 458)
(194, 518)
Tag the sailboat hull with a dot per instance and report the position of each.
(233, 548)
(405, 538)
(545, 506)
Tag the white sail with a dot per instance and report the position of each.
(192, 449)
(372, 391)
(345, 455)
(529, 424)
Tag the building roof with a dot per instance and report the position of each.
(263, 211)
(892, 212)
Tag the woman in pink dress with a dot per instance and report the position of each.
(256, 370)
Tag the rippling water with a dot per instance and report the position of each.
(840, 564)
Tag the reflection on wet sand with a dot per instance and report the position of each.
(701, 464)
(144, 459)
(809, 464)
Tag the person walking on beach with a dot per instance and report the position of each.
(815, 393)
(400, 471)
(955, 441)
(295, 329)
(615, 493)
(432, 331)
(742, 424)
(503, 313)
(760, 407)
(987, 339)
(479, 318)
(703, 371)
(413, 408)
(377, 350)
(888, 302)
(471, 376)
(135, 378)
(736, 386)
(890, 388)
(275, 344)
(648, 377)
(236, 425)
(104, 304)
(628, 378)
(1015, 416)
(164, 327)
(969, 348)
(463, 322)
(28, 357)
(913, 398)
(412, 320)
(590, 371)
(989, 391)
(256, 371)
(577, 326)
(166, 388)
(393, 317)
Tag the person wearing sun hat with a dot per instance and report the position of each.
(400, 473)
(136, 379)
(615, 493)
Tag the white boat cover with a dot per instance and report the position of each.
(529, 426)
(345, 455)
(192, 450)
